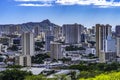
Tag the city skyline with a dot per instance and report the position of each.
(85, 12)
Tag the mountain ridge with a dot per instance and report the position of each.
(29, 26)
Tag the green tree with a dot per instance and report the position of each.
(39, 58)
(104, 76)
(91, 56)
(14, 66)
(80, 67)
(13, 48)
(62, 77)
(14, 74)
(36, 77)
(73, 75)
(65, 59)
(39, 44)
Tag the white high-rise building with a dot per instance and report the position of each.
(27, 44)
(56, 50)
(27, 50)
(23, 60)
(72, 33)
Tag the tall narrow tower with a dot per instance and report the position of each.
(27, 50)
(102, 31)
(27, 44)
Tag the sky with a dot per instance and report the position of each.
(85, 12)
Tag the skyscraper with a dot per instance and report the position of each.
(48, 39)
(72, 33)
(110, 44)
(27, 50)
(57, 33)
(27, 43)
(102, 31)
(110, 53)
(56, 50)
(104, 40)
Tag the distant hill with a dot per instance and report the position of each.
(44, 25)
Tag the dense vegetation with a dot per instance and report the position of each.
(39, 45)
(14, 66)
(91, 71)
(39, 58)
(14, 74)
(41, 77)
(96, 66)
(95, 69)
(105, 76)
(17, 74)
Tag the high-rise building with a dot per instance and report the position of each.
(102, 31)
(56, 50)
(27, 43)
(110, 52)
(48, 39)
(105, 44)
(57, 33)
(110, 44)
(27, 50)
(72, 33)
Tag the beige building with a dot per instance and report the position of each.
(27, 43)
(56, 50)
(102, 57)
(23, 60)
(107, 57)
(102, 31)
(27, 50)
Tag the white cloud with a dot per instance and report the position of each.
(34, 0)
(99, 3)
(35, 5)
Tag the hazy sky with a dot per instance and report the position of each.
(86, 12)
